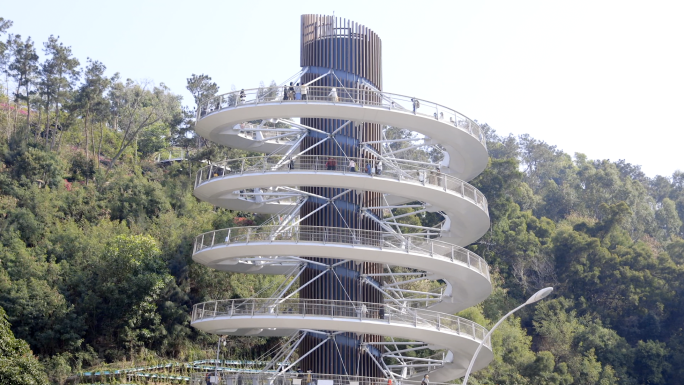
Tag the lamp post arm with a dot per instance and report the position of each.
(472, 361)
(218, 349)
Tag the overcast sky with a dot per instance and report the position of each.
(604, 78)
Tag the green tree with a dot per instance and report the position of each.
(24, 69)
(667, 219)
(119, 299)
(4, 61)
(675, 345)
(90, 101)
(153, 139)
(17, 363)
(650, 364)
(676, 251)
(660, 188)
(543, 162)
(542, 371)
(135, 108)
(499, 147)
(82, 168)
(610, 349)
(35, 166)
(59, 75)
(202, 88)
(134, 198)
(4, 26)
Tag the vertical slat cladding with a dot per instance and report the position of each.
(349, 47)
(361, 55)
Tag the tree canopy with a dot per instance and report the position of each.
(17, 363)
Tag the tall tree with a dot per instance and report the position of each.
(135, 108)
(4, 57)
(23, 70)
(90, 98)
(4, 26)
(202, 88)
(60, 73)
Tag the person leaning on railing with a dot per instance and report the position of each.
(298, 92)
(304, 91)
(291, 91)
(331, 164)
(333, 95)
(352, 165)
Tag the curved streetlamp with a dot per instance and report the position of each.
(538, 296)
(218, 349)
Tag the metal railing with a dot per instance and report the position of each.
(286, 378)
(380, 240)
(395, 170)
(420, 367)
(368, 311)
(256, 195)
(280, 136)
(342, 95)
(170, 154)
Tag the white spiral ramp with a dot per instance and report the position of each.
(269, 184)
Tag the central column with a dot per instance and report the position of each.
(353, 53)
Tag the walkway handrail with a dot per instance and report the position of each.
(268, 132)
(396, 170)
(168, 154)
(369, 311)
(381, 240)
(343, 95)
(227, 377)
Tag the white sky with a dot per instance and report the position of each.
(605, 78)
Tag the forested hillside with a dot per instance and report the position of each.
(96, 238)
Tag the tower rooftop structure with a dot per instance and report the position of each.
(368, 291)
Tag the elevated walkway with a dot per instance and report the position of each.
(464, 206)
(266, 250)
(461, 137)
(279, 317)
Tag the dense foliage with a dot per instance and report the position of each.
(17, 363)
(96, 239)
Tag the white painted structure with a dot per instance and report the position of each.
(269, 185)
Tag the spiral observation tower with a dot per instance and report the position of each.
(364, 289)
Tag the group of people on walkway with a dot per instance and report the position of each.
(371, 167)
(301, 92)
(295, 92)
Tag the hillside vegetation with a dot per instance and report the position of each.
(96, 239)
